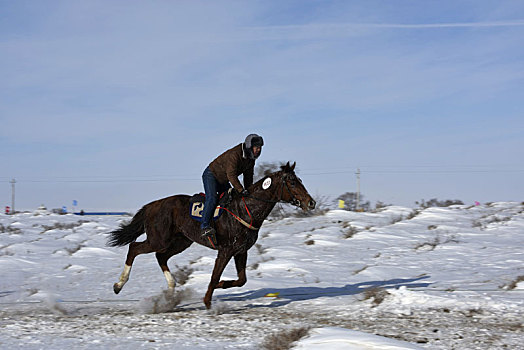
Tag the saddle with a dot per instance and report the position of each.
(196, 205)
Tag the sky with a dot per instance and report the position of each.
(118, 103)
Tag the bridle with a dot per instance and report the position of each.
(294, 201)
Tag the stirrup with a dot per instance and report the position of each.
(209, 233)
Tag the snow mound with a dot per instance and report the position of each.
(333, 338)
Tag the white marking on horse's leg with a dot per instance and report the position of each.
(170, 279)
(124, 277)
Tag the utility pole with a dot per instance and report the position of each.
(13, 181)
(358, 189)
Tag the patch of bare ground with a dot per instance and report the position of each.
(249, 323)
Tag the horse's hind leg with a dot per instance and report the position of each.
(240, 264)
(162, 259)
(135, 249)
(180, 244)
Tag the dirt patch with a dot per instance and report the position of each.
(251, 324)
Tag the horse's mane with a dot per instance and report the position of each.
(284, 168)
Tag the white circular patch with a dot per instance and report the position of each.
(266, 183)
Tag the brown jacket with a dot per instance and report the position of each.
(230, 164)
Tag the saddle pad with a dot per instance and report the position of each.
(196, 207)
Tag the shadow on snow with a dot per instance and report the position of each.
(288, 295)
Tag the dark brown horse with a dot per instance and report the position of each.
(170, 229)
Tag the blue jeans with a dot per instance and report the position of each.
(212, 188)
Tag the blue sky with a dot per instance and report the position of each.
(117, 103)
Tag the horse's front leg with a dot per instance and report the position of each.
(240, 264)
(220, 264)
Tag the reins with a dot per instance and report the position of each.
(242, 221)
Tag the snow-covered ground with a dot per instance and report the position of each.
(438, 278)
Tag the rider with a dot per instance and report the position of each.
(225, 169)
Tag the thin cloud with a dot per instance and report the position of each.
(312, 31)
(515, 23)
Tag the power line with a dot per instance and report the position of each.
(107, 181)
(311, 172)
(413, 172)
(115, 180)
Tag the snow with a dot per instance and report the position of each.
(400, 278)
(332, 338)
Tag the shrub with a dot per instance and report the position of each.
(434, 202)
(489, 220)
(380, 205)
(413, 214)
(350, 201)
(265, 168)
(321, 208)
(283, 210)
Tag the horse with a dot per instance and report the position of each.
(170, 230)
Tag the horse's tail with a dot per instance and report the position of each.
(128, 233)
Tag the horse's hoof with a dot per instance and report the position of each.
(207, 303)
(116, 288)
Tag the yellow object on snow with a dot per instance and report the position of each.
(272, 295)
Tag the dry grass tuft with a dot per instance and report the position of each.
(63, 226)
(378, 295)
(350, 231)
(396, 219)
(284, 340)
(436, 242)
(513, 284)
(260, 249)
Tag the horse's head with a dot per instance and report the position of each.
(293, 191)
